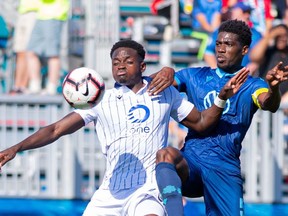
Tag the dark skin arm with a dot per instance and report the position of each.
(44, 136)
(207, 119)
(271, 100)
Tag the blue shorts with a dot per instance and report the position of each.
(222, 189)
(45, 38)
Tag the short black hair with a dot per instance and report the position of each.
(129, 44)
(239, 28)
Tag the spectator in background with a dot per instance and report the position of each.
(206, 15)
(271, 49)
(45, 42)
(239, 11)
(261, 16)
(8, 16)
(25, 23)
(282, 10)
(281, 7)
(9, 12)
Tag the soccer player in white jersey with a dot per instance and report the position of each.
(131, 125)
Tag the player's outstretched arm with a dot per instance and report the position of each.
(204, 121)
(271, 100)
(44, 136)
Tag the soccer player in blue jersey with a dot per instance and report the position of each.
(131, 126)
(208, 165)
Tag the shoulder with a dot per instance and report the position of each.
(193, 71)
(255, 83)
(255, 79)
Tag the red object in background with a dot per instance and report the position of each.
(154, 6)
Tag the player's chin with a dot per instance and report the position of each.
(122, 80)
(223, 65)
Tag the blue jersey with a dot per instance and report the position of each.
(208, 8)
(223, 144)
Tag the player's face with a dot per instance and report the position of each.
(281, 39)
(127, 67)
(229, 52)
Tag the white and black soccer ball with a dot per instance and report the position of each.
(83, 88)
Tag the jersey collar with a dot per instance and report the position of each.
(123, 88)
(222, 73)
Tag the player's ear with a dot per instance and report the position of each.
(143, 66)
(245, 50)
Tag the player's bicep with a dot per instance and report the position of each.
(192, 119)
(259, 96)
(69, 124)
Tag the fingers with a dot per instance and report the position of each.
(240, 77)
(4, 158)
(285, 69)
(2, 162)
(278, 66)
(152, 85)
(158, 84)
(277, 74)
(243, 76)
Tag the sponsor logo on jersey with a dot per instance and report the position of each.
(137, 115)
(209, 101)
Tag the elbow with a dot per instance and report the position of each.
(206, 131)
(203, 130)
(274, 110)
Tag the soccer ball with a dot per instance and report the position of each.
(83, 88)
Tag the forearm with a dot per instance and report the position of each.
(258, 52)
(42, 137)
(46, 135)
(210, 118)
(203, 22)
(204, 121)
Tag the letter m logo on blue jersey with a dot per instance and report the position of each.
(209, 101)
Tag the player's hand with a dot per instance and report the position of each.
(234, 84)
(277, 75)
(161, 80)
(7, 155)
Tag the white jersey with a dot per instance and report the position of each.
(131, 128)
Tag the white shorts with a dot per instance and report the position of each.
(23, 29)
(141, 202)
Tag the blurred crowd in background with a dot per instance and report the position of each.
(268, 20)
(34, 29)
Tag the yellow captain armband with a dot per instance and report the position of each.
(256, 94)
